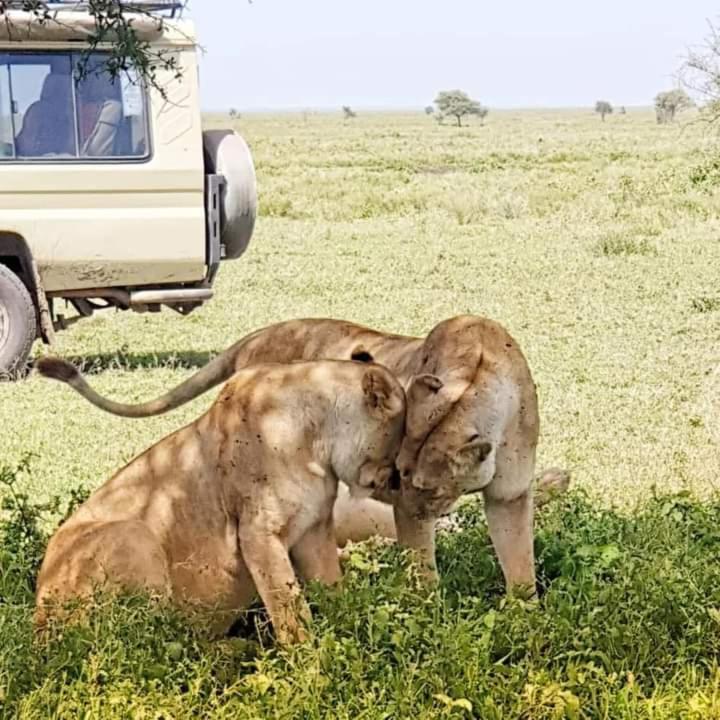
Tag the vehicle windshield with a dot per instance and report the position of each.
(48, 114)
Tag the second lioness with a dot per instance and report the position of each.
(220, 507)
(472, 419)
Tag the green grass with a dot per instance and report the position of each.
(596, 245)
(592, 242)
(627, 627)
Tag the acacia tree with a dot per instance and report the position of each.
(348, 112)
(429, 109)
(603, 108)
(669, 103)
(701, 75)
(459, 104)
(113, 24)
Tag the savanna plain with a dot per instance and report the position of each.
(597, 244)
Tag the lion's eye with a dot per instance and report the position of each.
(473, 438)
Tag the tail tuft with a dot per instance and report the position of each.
(57, 369)
(551, 484)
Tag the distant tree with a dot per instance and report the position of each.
(348, 112)
(459, 104)
(482, 114)
(440, 118)
(669, 103)
(429, 109)
(234, 113)
(622, 110)
(603, 108)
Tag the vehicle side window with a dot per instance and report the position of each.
(46, 113)
(110, 113)
(42, 109)
(7, 136)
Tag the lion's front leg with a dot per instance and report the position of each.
(269, 564)
(510, 523)
(419, 535)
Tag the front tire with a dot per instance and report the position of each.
(18, 323)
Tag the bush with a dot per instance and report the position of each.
(706, 175)
(620, 245)
(627, 626)
(704, 304)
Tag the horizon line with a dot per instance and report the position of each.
(403, 108)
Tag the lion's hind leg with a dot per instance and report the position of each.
(357, 519)
(87, 558)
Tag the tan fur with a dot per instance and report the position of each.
(472, 422)
(232, 501)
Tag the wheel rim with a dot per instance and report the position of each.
(4, 326)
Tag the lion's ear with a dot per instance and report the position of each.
(427, 405)
(360, 354)
(381, 396)
(476, 449)
(427, 383)
(452, 352)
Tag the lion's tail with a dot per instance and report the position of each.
(215, 372)
(550, 484)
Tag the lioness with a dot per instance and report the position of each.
(230, 502)
(472, 419)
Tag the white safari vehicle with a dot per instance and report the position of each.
(111, 194)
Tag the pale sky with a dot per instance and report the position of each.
(288, 54)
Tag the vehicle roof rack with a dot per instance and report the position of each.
(167, 8)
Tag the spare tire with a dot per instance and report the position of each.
(227, 154)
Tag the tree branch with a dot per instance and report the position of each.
(700, 75)
(112, 30)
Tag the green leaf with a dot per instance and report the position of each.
(463, 703)
(609, 554)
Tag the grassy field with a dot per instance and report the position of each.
(597, 246)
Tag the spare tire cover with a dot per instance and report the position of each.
(227, 154)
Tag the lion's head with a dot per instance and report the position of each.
(446, 452)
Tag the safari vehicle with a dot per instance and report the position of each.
(111, 194)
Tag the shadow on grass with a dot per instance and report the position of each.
(98, 363)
